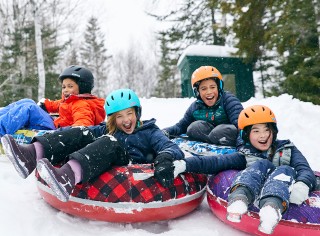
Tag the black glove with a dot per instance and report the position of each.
(164, 169)
(41, 104)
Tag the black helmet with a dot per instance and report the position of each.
(81, 75)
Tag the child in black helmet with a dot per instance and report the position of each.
(213, 117)
(76, 107)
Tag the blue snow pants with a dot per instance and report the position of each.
(264, 180)
(26, 114)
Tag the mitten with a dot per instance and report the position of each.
(164, 169)
(299, 193)
(42, 105)
(179, 167)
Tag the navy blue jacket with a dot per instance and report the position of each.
(145, 143)
(237, 160)
(225, 111)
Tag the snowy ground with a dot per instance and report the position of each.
(23, 212)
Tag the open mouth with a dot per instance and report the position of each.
(127, 126)
(263, 142)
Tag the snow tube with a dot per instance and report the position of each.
(117, 196)
(297, 221)
(194, 147)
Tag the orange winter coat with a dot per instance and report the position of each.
(77, 110)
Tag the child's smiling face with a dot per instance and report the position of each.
(69, 86)
(261, 136)
(209, 92)
(126, 120)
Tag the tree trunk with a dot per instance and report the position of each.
(40, 60)
(316, 6)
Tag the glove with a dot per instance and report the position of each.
(164, 168)
(179, 167)
(41, 104)
(166, 133)
(299, 193)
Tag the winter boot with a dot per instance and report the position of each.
(23, 157)
(238, 202)
(60, 180)
(270, 215)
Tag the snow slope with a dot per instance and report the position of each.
(23, 212)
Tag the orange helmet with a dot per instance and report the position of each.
(205, 72)
(256, 114)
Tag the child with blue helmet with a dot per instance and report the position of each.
(213, 117)
(90, 151)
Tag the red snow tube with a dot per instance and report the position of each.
(117, 197)
(297, 221)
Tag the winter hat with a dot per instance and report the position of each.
(82, 76)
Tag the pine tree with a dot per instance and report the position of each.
(18, 58)
(94, 56)
(294, 34)
(168, 82)
(194, 22)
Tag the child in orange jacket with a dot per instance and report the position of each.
(77, 107)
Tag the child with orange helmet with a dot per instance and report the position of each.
(275, 171)
(213, 117)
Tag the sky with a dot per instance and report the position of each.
(24, 212)
(125, 22)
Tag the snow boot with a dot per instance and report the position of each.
(23, 157)
(238, 202)
(60, 180)
(270, 215)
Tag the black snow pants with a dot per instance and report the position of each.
(224, 134)
(95, 155)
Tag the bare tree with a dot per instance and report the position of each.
(132, 70)
(39, 51)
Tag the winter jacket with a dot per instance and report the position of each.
(225, 111)
(24, 113)
(215, 163)
(144, 144)
(77, 110)
(238, 161)
(293, 158)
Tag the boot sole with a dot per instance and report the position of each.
(7, 147)
(48, 176)
(234, 217)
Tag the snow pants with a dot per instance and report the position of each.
(24, 113)
(95, 155)
(224, 134)
(265, 180)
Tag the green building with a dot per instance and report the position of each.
(237, 76)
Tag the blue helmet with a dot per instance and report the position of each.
(122, 99)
